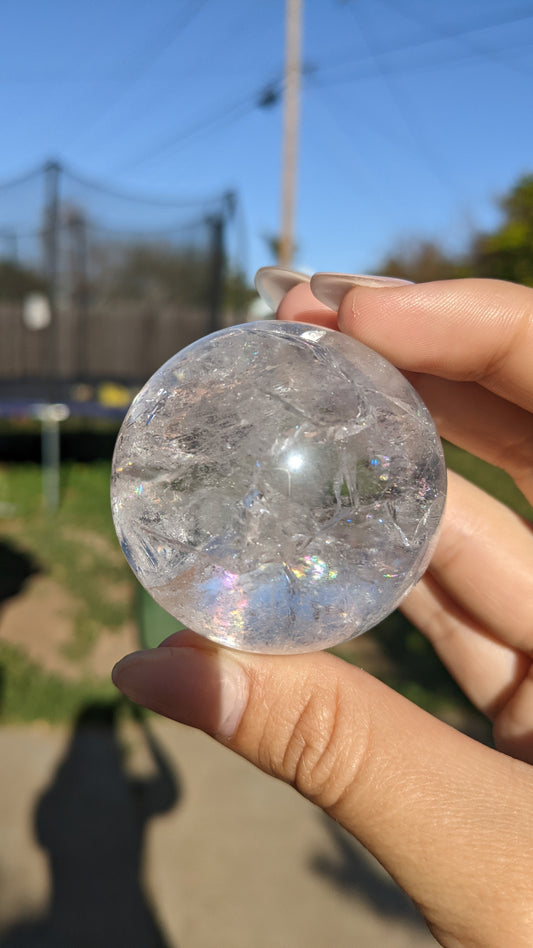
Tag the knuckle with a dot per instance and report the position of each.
(515, 455)
(514, 336)
(325, 740)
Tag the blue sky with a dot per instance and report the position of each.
(416, 114)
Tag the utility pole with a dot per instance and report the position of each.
(290, 128)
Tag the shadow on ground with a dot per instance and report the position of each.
(91, 823)
(352, 871)
(16, 567)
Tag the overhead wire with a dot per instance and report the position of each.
(460, 36)
(365, 68)
(322, 75)
(267, 95)
(149, 54)
(215, 119)
(22, 178)
(413, 44)
(434, 162)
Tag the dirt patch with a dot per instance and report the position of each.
(39, 621)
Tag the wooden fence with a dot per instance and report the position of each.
(126, 342)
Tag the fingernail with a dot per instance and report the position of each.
(330, 288)
(199, 687)
(272, 283)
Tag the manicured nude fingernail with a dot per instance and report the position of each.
(330, 288)
(272, 283)
(203, 688)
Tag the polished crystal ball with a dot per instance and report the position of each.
(277, 487)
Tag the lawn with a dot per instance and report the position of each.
(72, 559)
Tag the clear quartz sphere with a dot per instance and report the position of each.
(277, 487)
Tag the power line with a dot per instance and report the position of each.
(458, 34)
(320, 76)
(148, 55)
(167, 35)
(215, 119)
(267, 96)
(445, 32)
(346, 131)
(366, 68)
(434, 163)
(22, 178)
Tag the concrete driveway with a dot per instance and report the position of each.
(152, 835)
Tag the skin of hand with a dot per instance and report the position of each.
(450, 819)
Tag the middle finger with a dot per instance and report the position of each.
(481, 422)
(484, 562)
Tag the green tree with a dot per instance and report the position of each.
(162, 274)
(157, 273)
(422, 262)
(507, 252)
(238, 294)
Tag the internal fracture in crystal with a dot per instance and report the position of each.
(277, 487)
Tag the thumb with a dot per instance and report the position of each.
(437, 809)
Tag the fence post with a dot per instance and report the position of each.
(52, 170)
(216, 292)
(51, 416)
(77, 229)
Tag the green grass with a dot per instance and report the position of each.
(27, 693)
(75, 546)
(155, 624)
(84, 494)
(66, 543)
(491, 479)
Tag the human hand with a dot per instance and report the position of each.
(449, 818)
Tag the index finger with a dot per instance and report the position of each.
(468, 330)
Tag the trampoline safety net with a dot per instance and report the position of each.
(98, 285)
